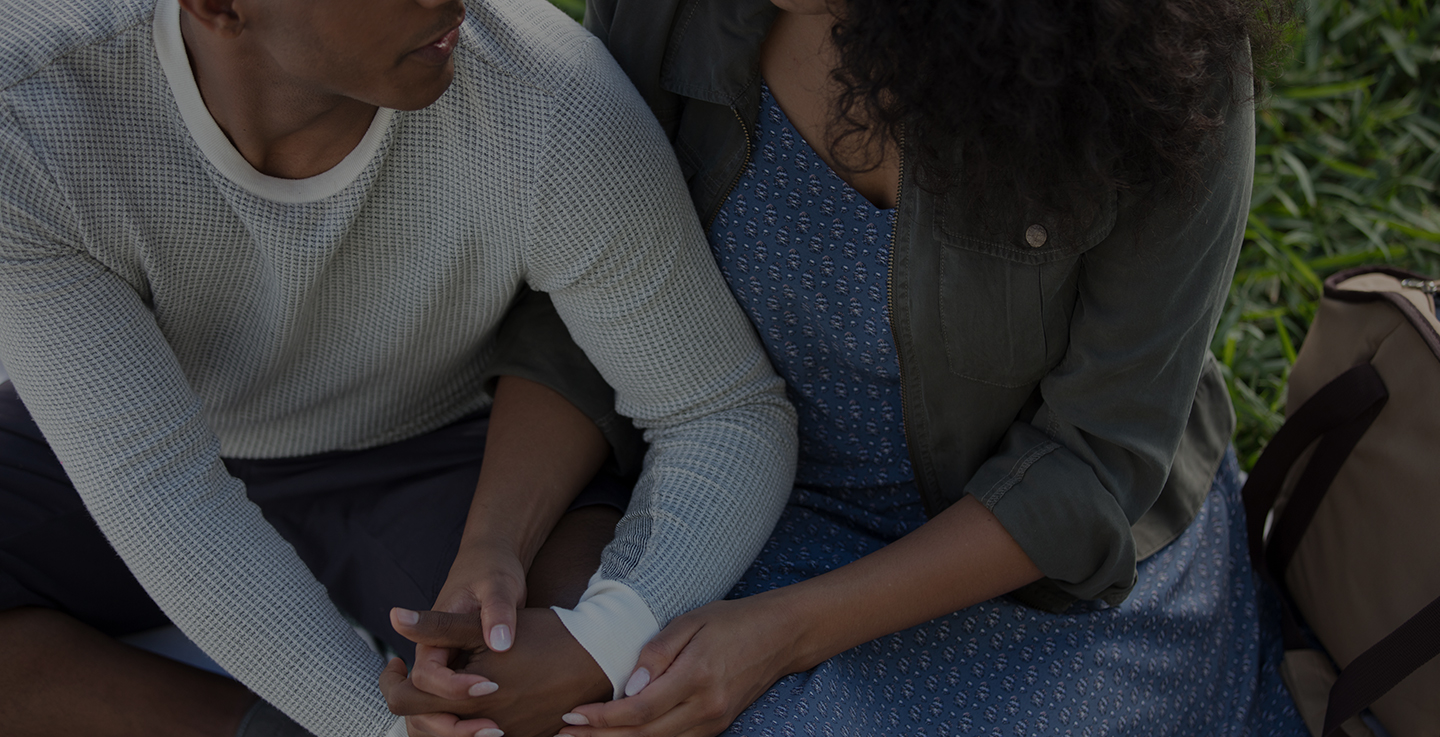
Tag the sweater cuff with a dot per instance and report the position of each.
(612, 623)
(397, 729)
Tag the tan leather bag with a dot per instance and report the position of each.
(1353, 479)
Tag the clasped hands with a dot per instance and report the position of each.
(481, 660)
(697, 675)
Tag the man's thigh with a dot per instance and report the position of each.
(51, 553)
(379, 527)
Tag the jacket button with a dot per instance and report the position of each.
(1036, 235)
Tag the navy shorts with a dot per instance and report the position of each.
(378, 527)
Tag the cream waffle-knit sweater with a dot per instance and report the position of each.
(163, 304)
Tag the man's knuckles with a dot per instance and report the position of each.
(444, 629)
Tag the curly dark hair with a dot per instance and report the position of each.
(1050, 101)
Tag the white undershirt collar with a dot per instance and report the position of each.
(170, 48)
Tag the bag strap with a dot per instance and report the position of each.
(1377, 670)
(1366, 395)
(1351, 400)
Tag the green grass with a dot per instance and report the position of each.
(1347, 154)
(1348, 151)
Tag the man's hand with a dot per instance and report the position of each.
(540, 678)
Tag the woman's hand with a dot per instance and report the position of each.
(541, 678)
(700, 672)
(488, 579)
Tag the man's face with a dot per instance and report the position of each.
(390, 53)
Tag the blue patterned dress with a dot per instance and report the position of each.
(1193, 651)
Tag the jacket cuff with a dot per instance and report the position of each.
(612, 623)
(1051, 502)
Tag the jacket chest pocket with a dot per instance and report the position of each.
(1007, 286)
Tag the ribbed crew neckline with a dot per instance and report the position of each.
(170, 48)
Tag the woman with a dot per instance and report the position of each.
(986, 243)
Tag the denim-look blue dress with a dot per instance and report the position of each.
(1193, 651)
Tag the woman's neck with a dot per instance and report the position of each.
(797, 60)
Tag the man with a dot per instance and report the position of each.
(254, 257)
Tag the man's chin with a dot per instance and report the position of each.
(418, 96)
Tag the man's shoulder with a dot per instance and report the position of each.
(37, 32)
(529, 41)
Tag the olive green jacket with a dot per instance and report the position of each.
(1056, 369)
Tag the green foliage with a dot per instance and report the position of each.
(573, 8)
(1348, 151)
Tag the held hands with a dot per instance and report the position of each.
(540, 678)
(487, 578)
(699, 673)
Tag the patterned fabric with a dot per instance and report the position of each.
(808, 259)
(162, 304)
(1194, 650)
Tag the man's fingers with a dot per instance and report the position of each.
(498, 617)
(392, 676)
(440, 629)
(433, 675)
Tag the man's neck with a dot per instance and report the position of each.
(281, 127)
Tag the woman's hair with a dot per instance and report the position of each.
(1051, 101)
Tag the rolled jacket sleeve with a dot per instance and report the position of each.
(1069, 483)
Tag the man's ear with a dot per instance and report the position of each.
(217, 16)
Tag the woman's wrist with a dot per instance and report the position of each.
(512, 520)
(799, 615)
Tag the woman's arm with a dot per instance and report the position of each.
(708, 665)
(540, 451)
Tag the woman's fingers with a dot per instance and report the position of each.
(449, 725)
(660, 698)
(497, 616)
(434, 675)
(691, 718)
(660, 652)
(648, 696)
(405, 699)
(435, 634)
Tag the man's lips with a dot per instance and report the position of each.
(437, 52)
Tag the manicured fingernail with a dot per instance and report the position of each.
(578, 720)
(500, 638)
(406, 616)
(638, 681)
(484, 688)
(487, 732)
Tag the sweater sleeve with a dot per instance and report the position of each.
(620, 251)
(98, 376)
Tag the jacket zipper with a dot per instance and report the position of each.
(894, 331)
(749, 150)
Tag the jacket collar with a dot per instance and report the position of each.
(714, 53)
